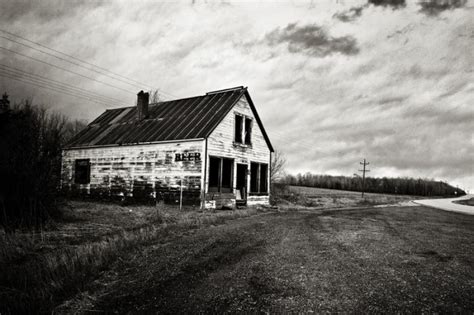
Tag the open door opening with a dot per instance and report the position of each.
(241, 184)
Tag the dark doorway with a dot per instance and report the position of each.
(241, 181)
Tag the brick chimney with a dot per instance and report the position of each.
(142, 105)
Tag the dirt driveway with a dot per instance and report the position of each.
(402, 259)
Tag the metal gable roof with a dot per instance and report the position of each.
(188, 118)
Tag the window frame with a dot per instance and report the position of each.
(245, 132)
(248, 125)
(238, 128)
(84, 179)
(258, 179)
(220, 178)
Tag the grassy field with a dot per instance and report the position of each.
(39, 270)
(329, 198)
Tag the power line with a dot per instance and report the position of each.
(80, 60)
(72, 57)
(72, 62)
(55, 82)
(61, 91)
(43, 83)
(55, 86)
(54, 89)
(64, 69)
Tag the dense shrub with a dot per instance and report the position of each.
(30, 162)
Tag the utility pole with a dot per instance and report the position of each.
(181, 194)
(364, 170)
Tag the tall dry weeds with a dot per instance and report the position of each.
(39, 282)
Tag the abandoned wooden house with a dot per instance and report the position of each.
(210, 151)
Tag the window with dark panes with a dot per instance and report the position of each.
(248, 131)
(82, 171)
(239, 121)
(263, 178)
(258, 178)
(221, 172)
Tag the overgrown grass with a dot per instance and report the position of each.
(39, 270)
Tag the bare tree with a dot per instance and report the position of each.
(154, 96)
(278, 166)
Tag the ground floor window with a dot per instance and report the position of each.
(82, 171)
(221, 171)
(258, 178)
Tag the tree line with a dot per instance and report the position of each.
(31, 138)
(386, 185)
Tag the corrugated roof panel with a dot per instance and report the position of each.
(101, 135)
(200, 110)
(123, 131)
(181, 123)
(186, 114)
(130, 116)
(121, 115)
(211, 102)
(140, 130)
(105, 115)
(91, 133)
(168, 117)
(110, 135)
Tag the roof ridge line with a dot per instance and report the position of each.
(240, 87)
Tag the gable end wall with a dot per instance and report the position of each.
(221, 144)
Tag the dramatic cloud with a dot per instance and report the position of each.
(349, 15)
(333, 83)
(434, 7)
(388, 3)
(312, 40)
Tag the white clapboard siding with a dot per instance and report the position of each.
(154, 164)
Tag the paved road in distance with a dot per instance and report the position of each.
(448, 204)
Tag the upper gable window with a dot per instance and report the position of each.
(239, 123)
(248, 131)
(243, 130)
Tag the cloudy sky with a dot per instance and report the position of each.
(334, 81)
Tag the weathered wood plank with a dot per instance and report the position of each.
(138, 169)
